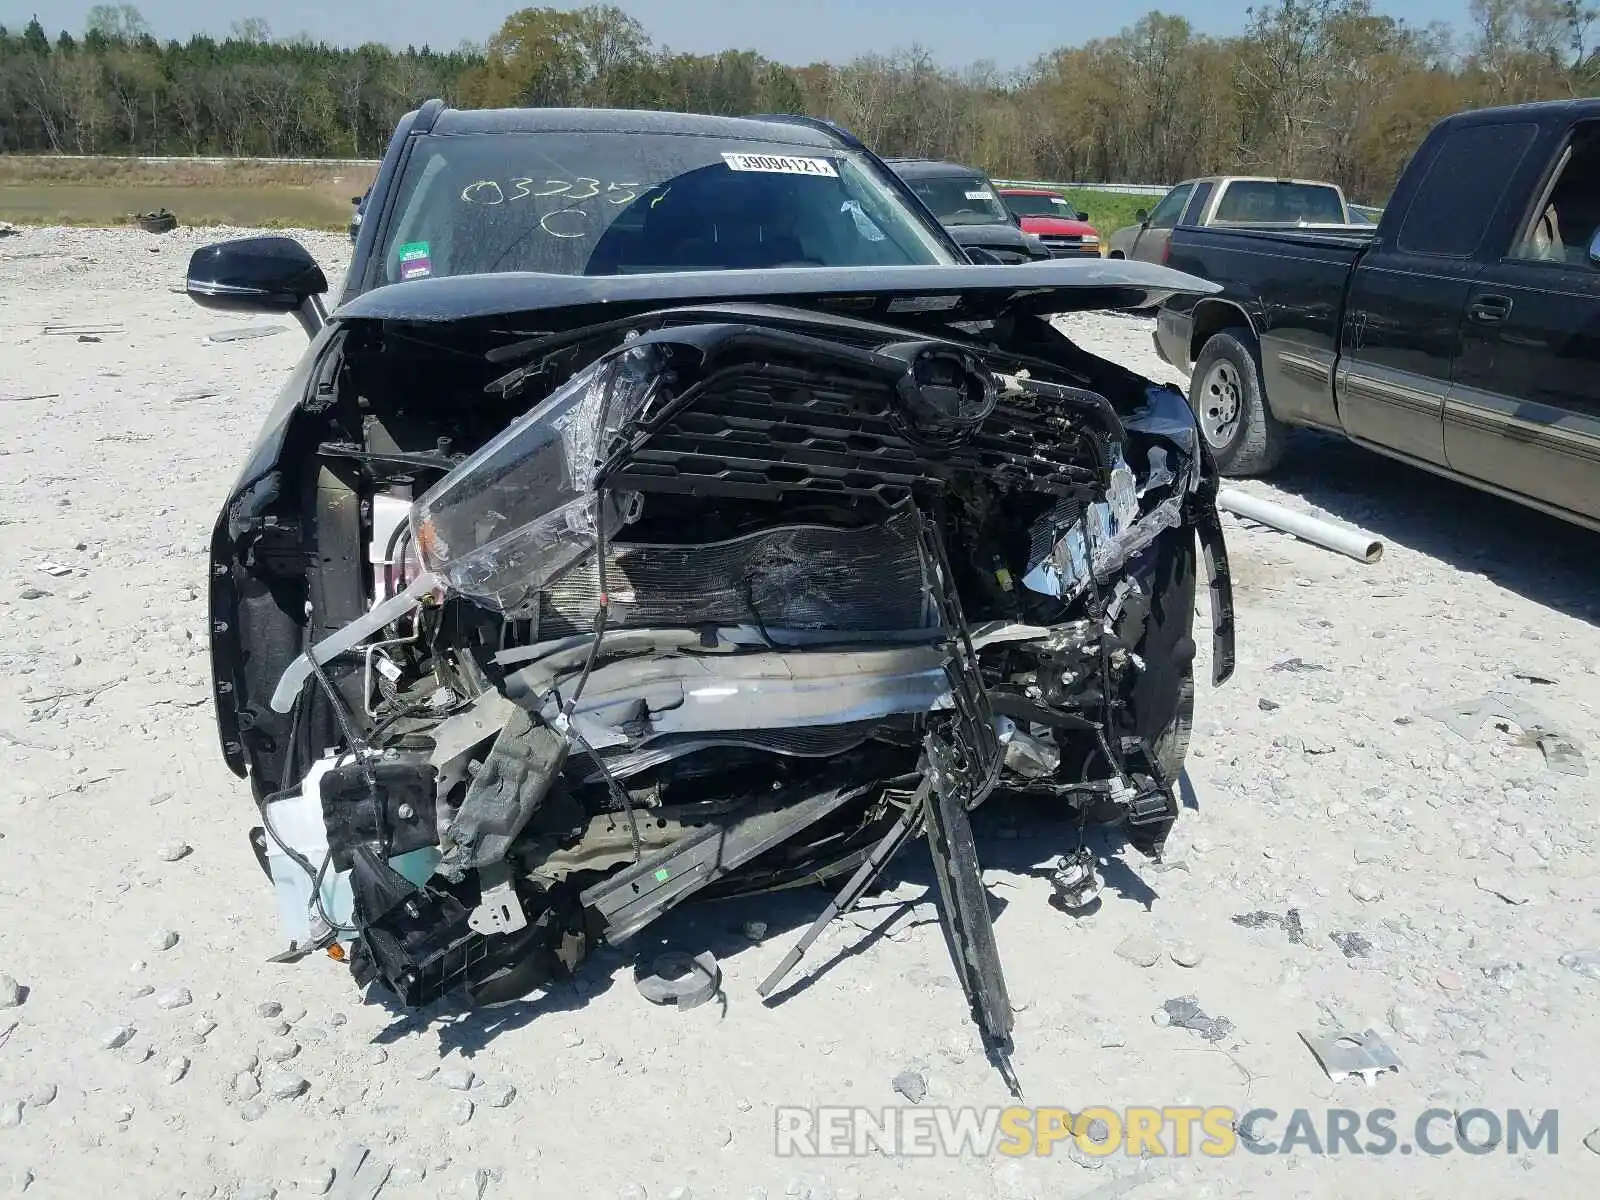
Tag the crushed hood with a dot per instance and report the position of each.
(953, 293)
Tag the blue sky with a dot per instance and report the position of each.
(1010, 32)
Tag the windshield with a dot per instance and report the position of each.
(961, 200)
(1267, 200)
(612, 203)
(1029, 205)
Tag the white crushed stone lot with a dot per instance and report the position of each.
(1446, 890)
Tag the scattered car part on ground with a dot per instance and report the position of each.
(1562, 752)
(1076, 880)
(1343, 1055)
(242, 334)
(1353, 543)
(1185, 1013)
(686, 566)
(682, 980)
(93, 329)
(1289, 922)
(1453, 336)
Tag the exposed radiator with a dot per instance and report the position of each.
(789, 577)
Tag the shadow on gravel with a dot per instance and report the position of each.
(1016, 835)
(1547, 560)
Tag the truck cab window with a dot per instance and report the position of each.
(1166, 213)
(1451, 209)
(1563, 221)
(1197, 204)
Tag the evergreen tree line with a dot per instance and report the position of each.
(1325, 88)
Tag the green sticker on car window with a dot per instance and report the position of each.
(416, 262)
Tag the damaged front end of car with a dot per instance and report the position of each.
(750, 599)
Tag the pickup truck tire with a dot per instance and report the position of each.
(1231, 408)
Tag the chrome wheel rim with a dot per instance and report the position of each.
(1218, 404)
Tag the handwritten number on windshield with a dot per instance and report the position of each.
(490, 192)
(565, 223)
(485, 191)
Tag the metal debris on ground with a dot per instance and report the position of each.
(1351, 945)
(359, 1176)
(1298, 666)
(1289, 922)
(1512, 891)
(93, 330)
(912, 1084)
(1075, 879)
(30, 396)
(1562, 752)
(1185, 1013)
(241, 334)
(679, 979)
(1342, 1055)
(1584, 962)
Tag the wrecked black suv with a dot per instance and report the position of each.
(668, 509)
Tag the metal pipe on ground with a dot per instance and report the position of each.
(1355, 543)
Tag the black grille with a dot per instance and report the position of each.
(752, 436)
(1049, 529)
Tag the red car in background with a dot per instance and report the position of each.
(1052, 220)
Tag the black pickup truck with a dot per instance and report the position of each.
(1462, 335)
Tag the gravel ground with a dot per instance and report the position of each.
(1442, 885)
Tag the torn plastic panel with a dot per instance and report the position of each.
(508, 788)
(1105, 537)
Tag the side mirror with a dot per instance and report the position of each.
(260, 274)
(1594, 249)
(983, 258)
(1141, 215)
(1082, 216)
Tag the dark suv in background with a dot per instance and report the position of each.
(968, 205)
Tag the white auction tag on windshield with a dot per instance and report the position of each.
(978, 195)
(779, 164)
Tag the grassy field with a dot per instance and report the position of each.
(110, 191)
(1109, 211)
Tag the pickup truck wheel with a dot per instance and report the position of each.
(1230, 408)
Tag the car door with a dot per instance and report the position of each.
(1401, 331)
(1524, 414)
(1150, 243)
